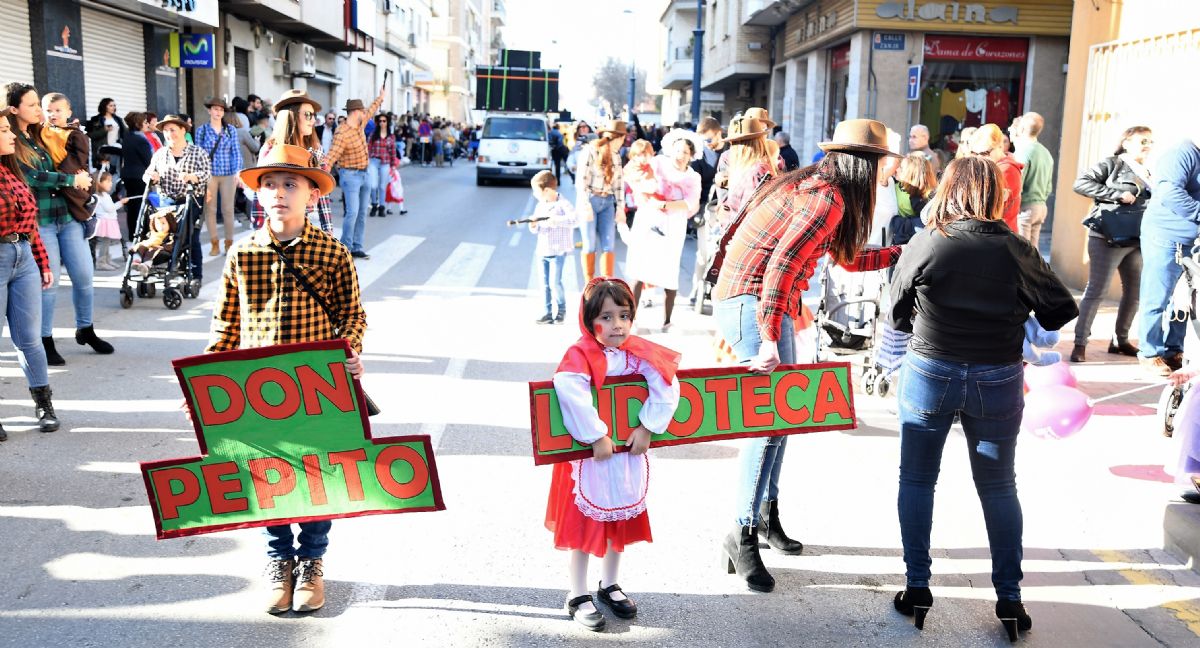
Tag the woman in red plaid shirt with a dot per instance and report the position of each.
(381, 153)
(788, 226)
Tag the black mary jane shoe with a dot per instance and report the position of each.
(914, 602)
(626, 609)
(593, 620)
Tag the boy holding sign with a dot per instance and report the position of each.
(290, 282)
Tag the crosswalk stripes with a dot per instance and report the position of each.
(463, 268)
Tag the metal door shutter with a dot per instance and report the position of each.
(241, 73)
(322, 93)
(16, 50)
(114, 61)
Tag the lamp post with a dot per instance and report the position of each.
(632, 67)
(697, 60)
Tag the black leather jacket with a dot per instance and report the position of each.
(1104, 183)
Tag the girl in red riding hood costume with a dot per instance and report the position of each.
(598, 505)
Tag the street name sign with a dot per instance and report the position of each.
(714, 404)
(284, 438)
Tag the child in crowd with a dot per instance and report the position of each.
(70, 149)
(153, 248)
(555, 240)
(597, 506)
(642, 184)
(108, 228)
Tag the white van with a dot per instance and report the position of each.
(512, 146)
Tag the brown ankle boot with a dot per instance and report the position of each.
(310, 585)
(608, 263)
(281, 576)
(589, 266)
(228, 244)
(1079, 353)
(216, 248)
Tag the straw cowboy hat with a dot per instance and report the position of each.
(752, 124)
(614, 126)
(171, 119)
(293, 159)
(216, 101)
(294, 98)
(859, 136)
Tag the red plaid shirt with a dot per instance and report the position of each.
(775, 249)
(382, 149)
(19, 214)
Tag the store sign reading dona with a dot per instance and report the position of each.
(971, 12)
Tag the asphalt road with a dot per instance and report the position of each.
(451, 299)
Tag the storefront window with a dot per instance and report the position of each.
(839, 81)
(969, 81)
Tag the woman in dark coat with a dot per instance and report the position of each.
(135, 154)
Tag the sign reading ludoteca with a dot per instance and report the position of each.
(284, 438)
(714, 404)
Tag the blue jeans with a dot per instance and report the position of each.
(357, 192)
(314, 539)
(65, 245)
(1159, 276)
(989, 400)
(602, 228)
(378, 177)
(761, 458)
(552, 267)
(20, 301)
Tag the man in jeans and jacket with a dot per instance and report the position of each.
(1036, 178)
(349, 154)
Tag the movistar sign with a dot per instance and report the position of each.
(193, 50)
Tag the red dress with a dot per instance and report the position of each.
(574, 530)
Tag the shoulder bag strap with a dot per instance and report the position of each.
(219, 138)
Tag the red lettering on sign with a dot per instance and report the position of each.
(756, 393)
(312, 384)
(786, 412)
(688, 427)
(291, 394)
(721, 388)
(349, 460)
(316, 484)
(202, 387)
(830, 399)
(546, 441)
(219, 489)
(623, 394)
(266, 490)
(168, 500)
(383, 472)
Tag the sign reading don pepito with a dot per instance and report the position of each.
(283, 438)
(714, 404)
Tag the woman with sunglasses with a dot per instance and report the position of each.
(381, 155)
(295, 124)
(1119, 185)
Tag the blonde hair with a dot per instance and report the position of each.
(641, 147)
(986, 139)
(744, 157)
(971, 187)
(916, 175)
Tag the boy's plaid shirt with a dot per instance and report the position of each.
(775, 249)
(261, 304)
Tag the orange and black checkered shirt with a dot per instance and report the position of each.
(260, 303)
(349, 147)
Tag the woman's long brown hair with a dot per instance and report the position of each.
(971, 187)
(287, 130)
(25, 155)
(854, 175)
(605, 157)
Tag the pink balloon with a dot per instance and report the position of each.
(1055, 412)
(1058, 373)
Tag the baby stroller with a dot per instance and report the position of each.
(847, 317)
(1183, 307)
(171, 266)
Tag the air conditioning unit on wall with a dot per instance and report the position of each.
(302, 59)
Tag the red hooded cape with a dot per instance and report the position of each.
(586, 356)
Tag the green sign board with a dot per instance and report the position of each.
(284, 438)
(714, 404)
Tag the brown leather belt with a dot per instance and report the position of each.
(13, 238)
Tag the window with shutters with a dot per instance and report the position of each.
(241, 72)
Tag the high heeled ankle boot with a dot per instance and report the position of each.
(44, 408)
(588, 259)
(52, 357)
(742, 558)
(914, 602)
(608, 263)
(770, 528)
(216, 248)
(87, 335)
(1013, 617)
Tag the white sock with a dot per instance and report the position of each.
(612, 564)
(579, 565)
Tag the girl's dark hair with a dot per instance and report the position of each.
(855, 176)
(972, 187)
(135, 120)
(593, 299)
(1129, 132)
(239, 105)
(378, 128)
(691, 147)
(101, 108)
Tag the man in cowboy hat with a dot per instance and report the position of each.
(349, 153)
(258, 279)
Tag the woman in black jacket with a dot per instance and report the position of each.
(105, 129)
(135, 157)
(1120, 186)
(964, 288)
